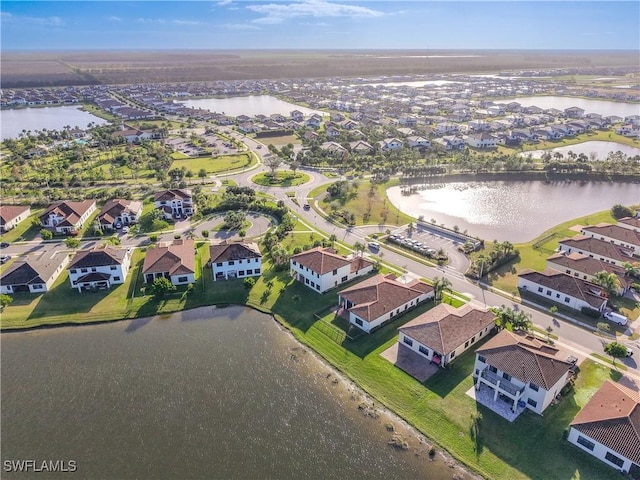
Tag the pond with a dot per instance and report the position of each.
(517, 211)
(600, 148)
(52, 118)
(205, 393)
(602, 107)
(249, 105)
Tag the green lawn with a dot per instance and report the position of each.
(223, 163)
(25, 230)
(285, 178)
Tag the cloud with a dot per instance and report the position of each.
(275, 13)
(222, 3)
(239, 26)
(23, 20)
(164, 21)
(113, 18)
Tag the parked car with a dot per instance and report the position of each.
(118, 225)
(306, 206)
(629, 352)
(4, 245)
(5, 258)
(374, 245)
(616, 318)
(125, 229)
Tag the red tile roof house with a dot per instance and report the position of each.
(66, 217)
(608, 426)
(614, 234)
(630, 223)
(175, 202)
(235, 260)
(120, 211)
(35, 275)
(564, 289)
(444, 332)
(12, 215)
(176, 261)
(592, 247)
(380, 299)
(519, 368)
(585, 267)
(99, 268)
(322, 269)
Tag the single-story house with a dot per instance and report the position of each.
(586, 268)
(99, 268)
(631, 223)
(175, 261)
(12, 215)
(593, 247)
(379, 299)
(35, 275)
(608, 426)
(520, 370)
(444, 332)
(615, 234)
(235, 260)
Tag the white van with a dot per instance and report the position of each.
(616, 318)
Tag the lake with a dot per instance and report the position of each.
(517, 211)
(206, 393)
(600, 148)
(249, 105)
(603, 107)
(52, 118)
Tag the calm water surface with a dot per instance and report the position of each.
(603, 107)
(600, 148)
(249, 105)
(12, 122)
(198, 395)
(517, 211)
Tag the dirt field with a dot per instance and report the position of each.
(23, 69)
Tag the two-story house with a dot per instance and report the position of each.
(322, 269)
(99, 268)
(520, 370)
(235, 260)
(615, 234)
(175, 261)
(119, 212)
(586, 268)
(67, 217)
(598, 249)
(175, 203)
(377, 300)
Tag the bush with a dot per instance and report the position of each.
(249, 282)
(636, 286)
(297, 250)
(590, 312)
(153, 238)
(177, 236)
(205, 233)
(46, 234)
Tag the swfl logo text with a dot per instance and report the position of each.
(40, 466)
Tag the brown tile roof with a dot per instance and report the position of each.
(71, 211)
(524, 358)
(612, 418)
(567, 284)
(98, 257)
(587, 265)
(177, 258)
(444, 328)
(224, 252)
(358, 263)
(172, 194)
(614, 231)
(116, 207)
(631, 221)
(321, 260)
(597, 247)
(9, 212)
(379, 295)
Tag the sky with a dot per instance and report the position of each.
(319, 24)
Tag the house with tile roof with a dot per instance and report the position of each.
(567, 290)
(175, 202)
(119, 211)
(35, 275)
(175, 261)
(585, 267)
(12, 215)
(444, 332)
(599, 249)
(235, 260)
(380, 299)
(608, 427)
(66, 217)
(630, 223)
(520, 370)
(614, 234)
(99, 268)
(322, 269)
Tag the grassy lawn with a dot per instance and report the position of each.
(369, 204)
(280, 141)
(25, 230)
(223, 163)
(283, 178)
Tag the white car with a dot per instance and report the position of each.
(616, 318)
(125, 229)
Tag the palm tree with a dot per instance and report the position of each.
(359, 247)
(608, 281)
(439, 286)
(631, 269)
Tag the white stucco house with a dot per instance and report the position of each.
(235, 260)
(608, 427)
(66, 217)
(586, 268)
(444, 332)
(175, 202)
(322, 269)
(35, 275)
(12, 215)
(377, 300)
(596, 248)
(175, 261)
(119, 211)
(615, 234)
(99, 268)
(481, 140)
(520, 370)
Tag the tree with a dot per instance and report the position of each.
(512, 319)
(233, 220)
(608, 281)
(439, 286)
(294, 165)
(161, 286)
(5, 300)
(46, 234)
(273, 162)
(615, 350)
(631, 269)
(202, 174)
(619, 211)
(359, 247)
(72, 242)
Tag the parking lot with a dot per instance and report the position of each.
(457, 260)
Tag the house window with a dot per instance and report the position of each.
(539, 289)
(466, 344)
(473, 339)
(343, 279)
(533, 403)
(313, 284)
(557, 295)
(249, 272)
(335, 272)
(482, 359)
(408, 341)
(506, 376)
(84, 270)
(614, 459)
(293, 262)
(241, 273)
(231, 262)
(588, 444)
(566, 299)
(493, 369)
(533, 387)
(453, 354)
(72, 271)
(424, 350)
(257, 271)
(306, 280)
(549, 292)
(74, 282)
(116, 279)
(38, 287)
(182, 279)
(358, 322)
(113, 268)
(318, 287)
(219, 264)
(94, 269)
